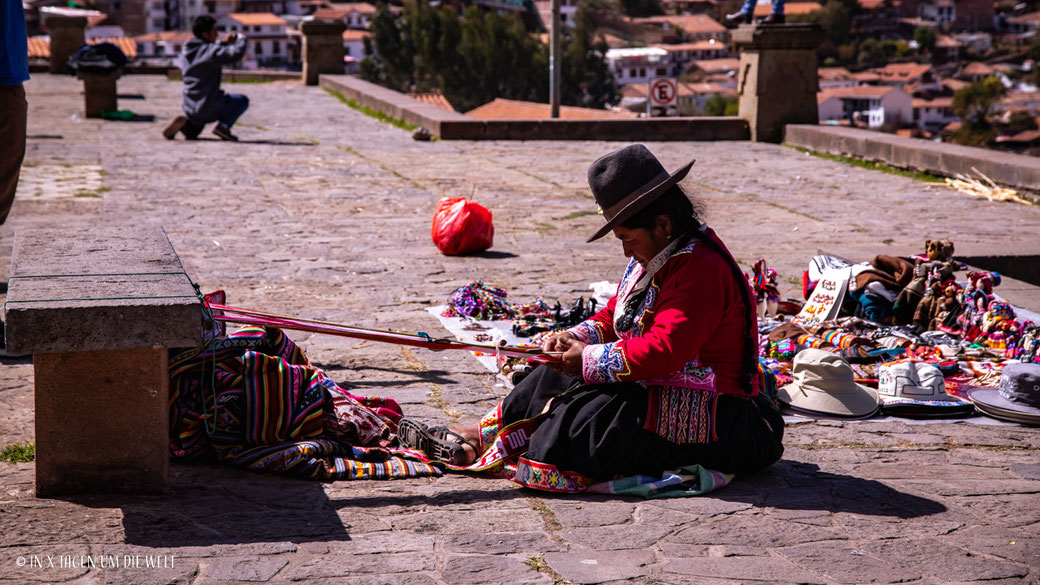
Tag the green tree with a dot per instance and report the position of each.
(482, 56)
(975, 104)
(871, 54)
(586, 80)
(720, 105)
(924, 36)
(836, 19)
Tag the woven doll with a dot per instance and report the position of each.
(999, 327)
(767, 293)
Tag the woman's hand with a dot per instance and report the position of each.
(572, 359)
(558, 342)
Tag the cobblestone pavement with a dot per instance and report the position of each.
(323, 212)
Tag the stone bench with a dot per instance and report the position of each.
(97, 309)
(100, 92)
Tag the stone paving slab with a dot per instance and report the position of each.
(323, 212)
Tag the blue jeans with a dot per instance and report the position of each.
(749, 6)
(235, 104)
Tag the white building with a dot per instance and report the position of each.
(267, 39)
(934, 114)
(161, 48)
(215, 8)
(638, 65)
(682, 53)
(356, 15)
(354, 49)
(568, 8)
(876, 106)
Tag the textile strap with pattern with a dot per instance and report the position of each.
(252, 400)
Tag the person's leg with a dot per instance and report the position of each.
(778, 7)
(235, 104)
(13, 115)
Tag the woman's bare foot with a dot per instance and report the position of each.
(471, 434)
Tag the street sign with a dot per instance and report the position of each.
(663, 92)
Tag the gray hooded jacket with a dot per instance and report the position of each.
(202, 64)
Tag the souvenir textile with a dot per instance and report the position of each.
(252, 400)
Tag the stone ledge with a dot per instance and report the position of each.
(136, 295)
(944, 159)
(455, 126)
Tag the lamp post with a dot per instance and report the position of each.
(554, 61)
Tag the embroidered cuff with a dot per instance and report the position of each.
(603, 363)
(588, 332)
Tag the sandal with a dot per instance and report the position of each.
(434, 441)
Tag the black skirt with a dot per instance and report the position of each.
(597, 429)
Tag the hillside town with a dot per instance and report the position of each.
(900, 72)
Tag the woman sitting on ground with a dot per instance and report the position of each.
(665, 376)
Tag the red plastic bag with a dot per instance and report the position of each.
(461, 226)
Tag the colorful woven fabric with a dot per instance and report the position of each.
(252, 400)
(503, 458)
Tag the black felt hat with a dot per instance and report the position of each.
(627, 180)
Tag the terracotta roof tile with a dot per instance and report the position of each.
(433, 99)
(40, 46)
(503, 109)
(256, 18)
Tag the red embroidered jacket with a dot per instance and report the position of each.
(686, 345)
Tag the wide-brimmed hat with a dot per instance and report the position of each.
(627, 180)
(825, 384)
(917, 390)
(1017, 399)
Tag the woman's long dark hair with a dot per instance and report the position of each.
(686, 217)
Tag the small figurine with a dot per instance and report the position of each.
(999, 327)
(767, 293)
(938, 268)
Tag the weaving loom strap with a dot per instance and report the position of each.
(248, 317)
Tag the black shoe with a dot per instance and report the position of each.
(774, 19)
(739, 18)
(224, 133)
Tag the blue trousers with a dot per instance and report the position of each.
(235, 104)
(749, 6)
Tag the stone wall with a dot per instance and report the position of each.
(1014, 170)
(455, 126)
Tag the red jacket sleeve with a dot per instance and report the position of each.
(692, 293)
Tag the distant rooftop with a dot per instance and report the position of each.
(256, 18)
(503, 109)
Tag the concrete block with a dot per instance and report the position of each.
(67, 36)
(102, 420)
(777, 79)
(99, 92)
(98, 289)
(322, 48)
(1013, 170)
